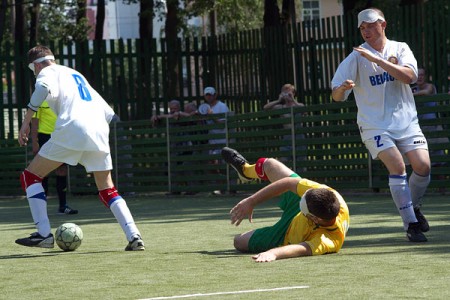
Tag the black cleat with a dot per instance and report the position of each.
(37, 240)
(67, 211)
(137, 244)
(424, 227)
(414, 234)
(236, 160)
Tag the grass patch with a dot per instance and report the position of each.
(190, 251)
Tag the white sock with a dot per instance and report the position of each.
(418, 186)
(38, 206)
(123, 215)
(402, 198)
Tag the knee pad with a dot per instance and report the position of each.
(259, 168)
(27, 178)
(108, 196)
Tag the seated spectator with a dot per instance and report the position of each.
(176, 113)
(423, 88)
(286, 99)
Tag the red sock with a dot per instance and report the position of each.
(27, 178)
(259, 168)
(108, 196)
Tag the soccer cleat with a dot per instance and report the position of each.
(414, 233)
(137, 244)
(424, 227)
(236, 160)
(37, 240)
(67, 211)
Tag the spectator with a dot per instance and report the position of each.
(42, 125)
(286, 99)
(379, 73)
(424, 88)
(176, 113)
(216, 107)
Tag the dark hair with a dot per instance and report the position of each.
(323, 203)
(37, 52)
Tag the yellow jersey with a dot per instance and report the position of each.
(47, 118)
(322, 240)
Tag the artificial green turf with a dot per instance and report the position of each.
(190, 251)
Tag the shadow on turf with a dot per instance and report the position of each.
(220, 253)
(384, 240)
(51, 254)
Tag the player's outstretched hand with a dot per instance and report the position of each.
(23, 134)
(242, 210)
(366, 54)
(264, 257)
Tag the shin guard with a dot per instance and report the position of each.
(108, 196)
(259, 168)
(27, 178)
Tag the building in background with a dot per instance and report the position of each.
(122, 20)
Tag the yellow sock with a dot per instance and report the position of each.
(249, 171)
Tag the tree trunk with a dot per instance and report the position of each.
(100, 20)
(275, 40)
(288, 15)
(34, 21)
(172, 24)
(271, 13)
(20, 55)
(146, 19)
(3, 7)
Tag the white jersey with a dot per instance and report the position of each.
(218, 108)
(384, 103)
(83, 115)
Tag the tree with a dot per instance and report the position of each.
(275, 40)
(146, 15)
(100, 20)
(171, 41)
(3, 7)
(34, 23)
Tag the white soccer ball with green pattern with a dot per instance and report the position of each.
(68, 236)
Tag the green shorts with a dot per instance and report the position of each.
(270, 237)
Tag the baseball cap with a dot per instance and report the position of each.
(209, 90)
(369, 16)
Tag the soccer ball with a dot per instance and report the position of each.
(68, 236)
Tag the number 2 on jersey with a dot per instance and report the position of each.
(82, 88)
(378, 140)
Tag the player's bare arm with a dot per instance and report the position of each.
(338, 92)
(245, 207)
(288, 251)
(25, 128)
(402, 73)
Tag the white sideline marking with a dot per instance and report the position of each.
(230, 293)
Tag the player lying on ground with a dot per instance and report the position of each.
(315, 217)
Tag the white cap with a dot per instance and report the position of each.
(369, 16)
(209, 90)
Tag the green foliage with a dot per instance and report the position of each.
(232, 15)
(58, 22)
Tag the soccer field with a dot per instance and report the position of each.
(189, 254)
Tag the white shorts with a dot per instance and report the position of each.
(91, 160)
(382, 140)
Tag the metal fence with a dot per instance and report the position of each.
(320, 142)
